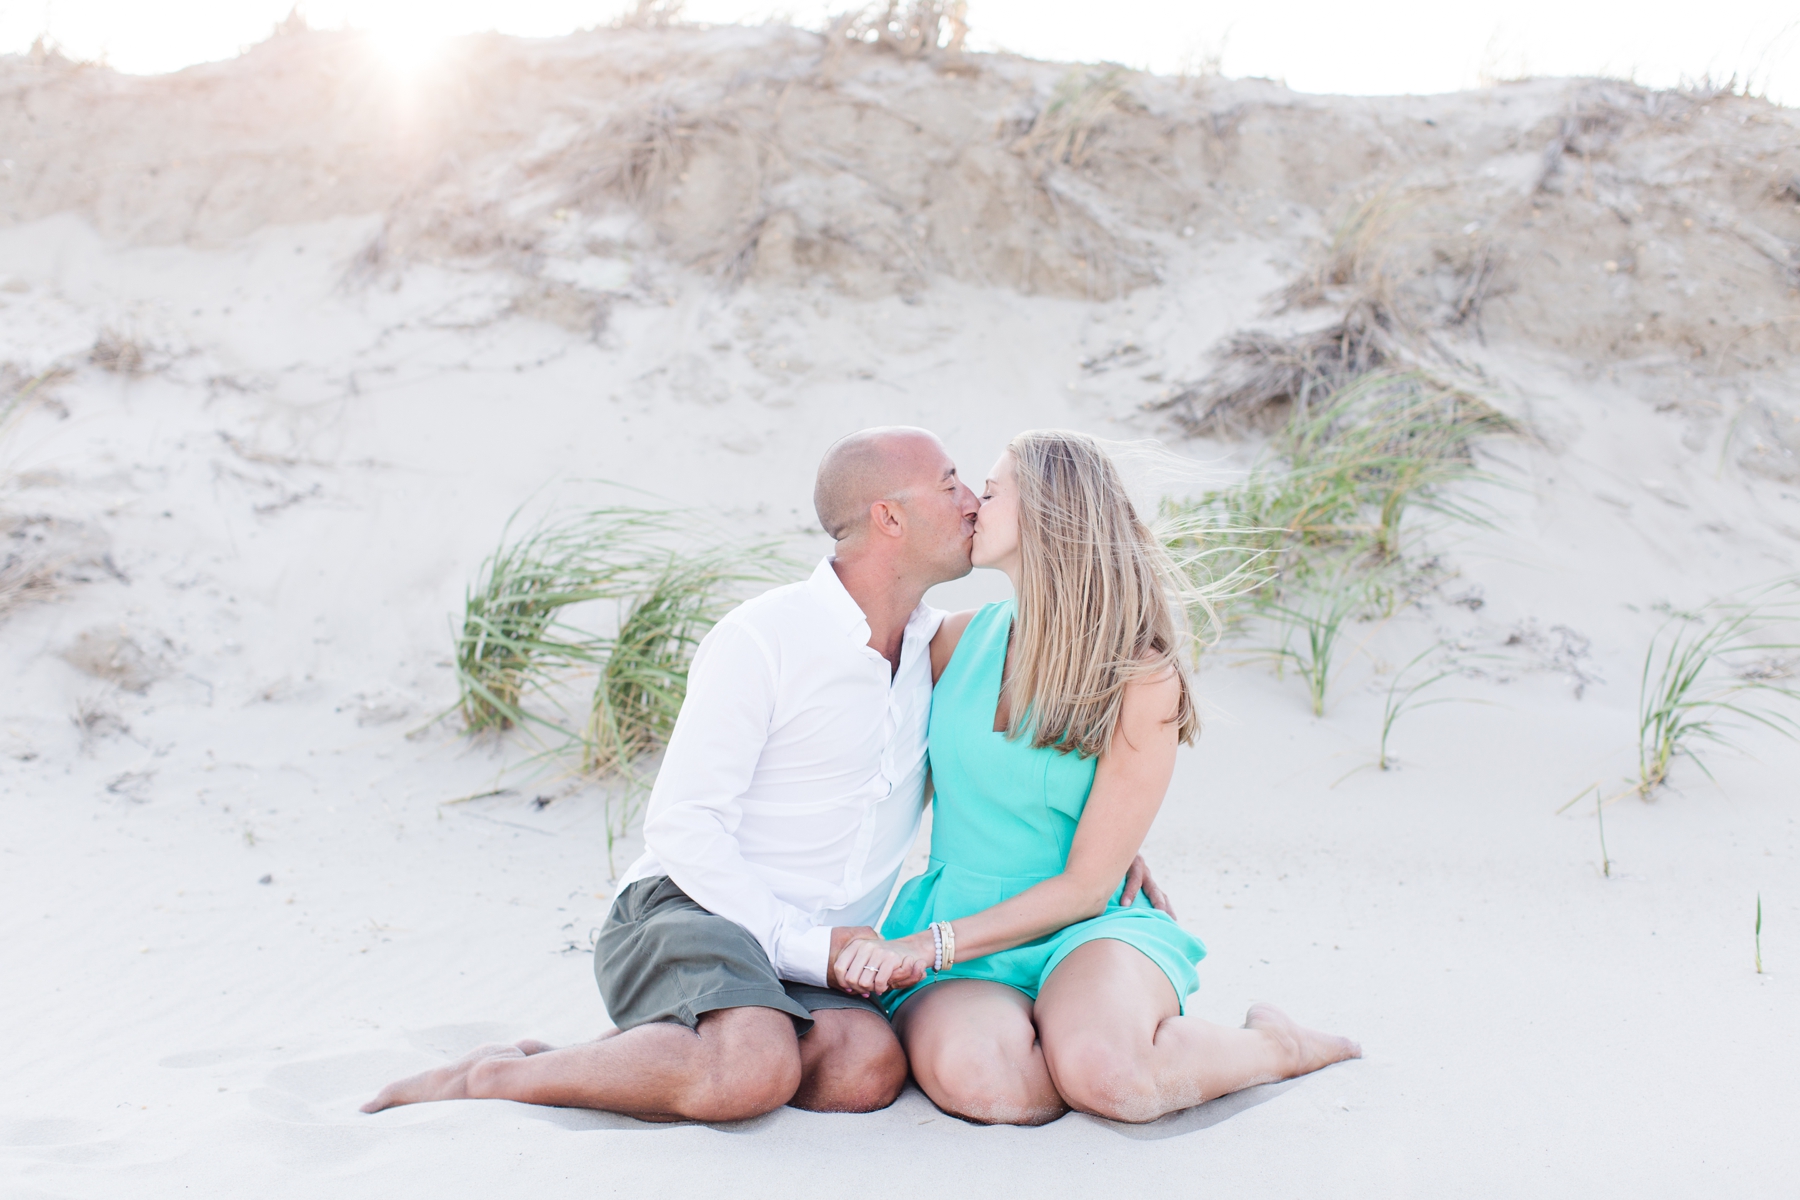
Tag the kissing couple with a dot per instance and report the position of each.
(1027, 972)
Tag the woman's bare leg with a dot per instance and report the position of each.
(975, 1052)
(1116, 1045)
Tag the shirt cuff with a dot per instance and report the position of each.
(805, 955)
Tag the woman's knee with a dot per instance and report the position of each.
(981, 1079)
(1105, 1076)
(993, 1093)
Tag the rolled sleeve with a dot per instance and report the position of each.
(804, 955)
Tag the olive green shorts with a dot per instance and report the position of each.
(661, 957)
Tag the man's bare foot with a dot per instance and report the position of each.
(445, 1083)
(1307, 1049)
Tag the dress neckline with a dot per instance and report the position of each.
(997, 684)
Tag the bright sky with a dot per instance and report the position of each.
(1363, 46)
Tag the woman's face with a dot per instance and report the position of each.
(997, 526)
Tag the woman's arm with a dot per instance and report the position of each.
(943, 642)
(1129, 784)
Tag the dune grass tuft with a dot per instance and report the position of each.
(1364, 237)
(119, 353)
(909, 28)
(1759, 969)
(1600, 821)
(28, 571)
(1393, 274)
(1261, 375)
(652, 14)
(520, 658)
(644, 680)
(1311, 616)
(1690, 694)
(1385, 443)
(1346, 470)
(513, 643)
(1401, 701)
(1313, 533)
(18, 391)
(1063, 129)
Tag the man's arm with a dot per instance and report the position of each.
(695, 807)
(1139, 877)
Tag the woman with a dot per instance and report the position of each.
(1054, 726)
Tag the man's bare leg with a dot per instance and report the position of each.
(850, 1062)
(739, 1063)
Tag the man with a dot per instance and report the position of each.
(787, 801)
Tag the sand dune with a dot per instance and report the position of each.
(282, 347)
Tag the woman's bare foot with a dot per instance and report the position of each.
(1306, 1049)
(445, 1083)
(530, 1046)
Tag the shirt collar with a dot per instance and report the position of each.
(844, 609)
(846, 612)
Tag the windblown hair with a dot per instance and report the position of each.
(1097, 608)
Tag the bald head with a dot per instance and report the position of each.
(872, 464)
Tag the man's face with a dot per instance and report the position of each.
(941, 511)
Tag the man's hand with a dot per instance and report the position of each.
(1139, 878)
(841, 937)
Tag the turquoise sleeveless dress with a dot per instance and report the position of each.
(1005, 818)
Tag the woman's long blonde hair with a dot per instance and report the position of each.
(1095, 609)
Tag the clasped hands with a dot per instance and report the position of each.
(865, 965)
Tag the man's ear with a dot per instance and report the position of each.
(887, 517)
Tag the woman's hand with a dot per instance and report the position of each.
(869, 967)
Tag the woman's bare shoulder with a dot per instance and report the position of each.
(1152, 698)
(1148, 732)
(943, 643)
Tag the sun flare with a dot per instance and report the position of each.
(405, 51)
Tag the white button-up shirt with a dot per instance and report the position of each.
(795, 778)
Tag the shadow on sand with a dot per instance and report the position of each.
(1174, 1125)
(1204, 1116)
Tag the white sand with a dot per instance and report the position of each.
(295, 492)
